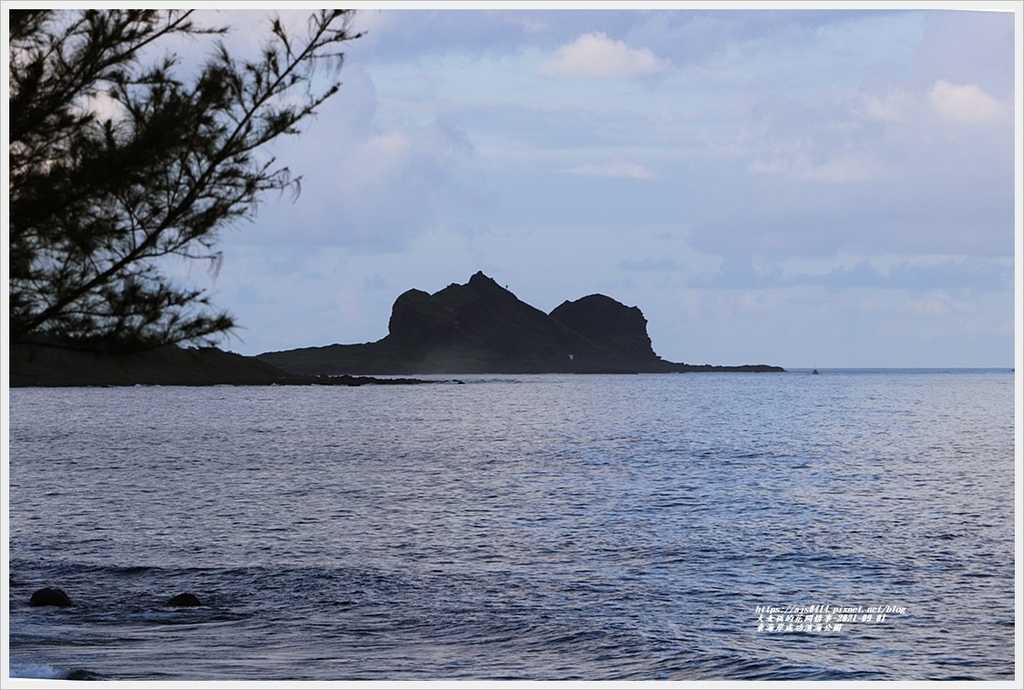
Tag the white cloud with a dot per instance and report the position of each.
(891, 107)
(102, 107)
(596, 55)
(380, 159)
(632, 171)
(838, 166)
(790, 137)
(964, 103)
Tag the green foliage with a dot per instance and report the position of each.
(118, 161)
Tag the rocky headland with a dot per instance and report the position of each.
(475, 328)
(481, 327)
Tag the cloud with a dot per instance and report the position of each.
(892, 106)
(968, 48)
(650, 265)
(102, 106)
(943, 273)
(839, 167)
(966, 103)
(633, 171)
(397, 183)
(596, 55)
(819, 159)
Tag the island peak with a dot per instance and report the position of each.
(482, 327)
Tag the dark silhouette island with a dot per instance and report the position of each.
(481, 327)
(478, 327)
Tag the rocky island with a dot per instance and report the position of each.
(481, 327)
(478, 327)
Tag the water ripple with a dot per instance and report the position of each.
(547, 528)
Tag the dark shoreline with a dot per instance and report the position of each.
(40, 366)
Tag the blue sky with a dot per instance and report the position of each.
(821, 187)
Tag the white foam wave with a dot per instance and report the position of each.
(37, 671)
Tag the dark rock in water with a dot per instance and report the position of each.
(477, 326)
(50, 597)
(185, 599)
(481, 327)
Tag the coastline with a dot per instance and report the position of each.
(54, 367)
(45, 366)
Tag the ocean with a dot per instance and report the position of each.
(854, 525)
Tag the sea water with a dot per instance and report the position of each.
(855, 525)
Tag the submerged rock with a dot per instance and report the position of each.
(184, 599)
(49, 596)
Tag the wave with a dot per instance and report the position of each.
(48, 672)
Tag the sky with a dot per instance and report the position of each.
(808, 188)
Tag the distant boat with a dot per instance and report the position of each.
(815, 372)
